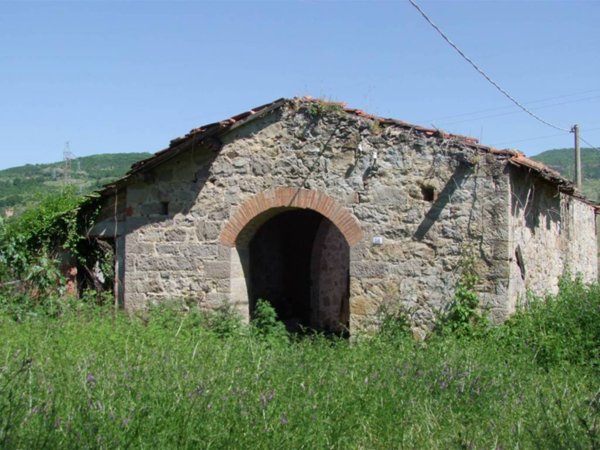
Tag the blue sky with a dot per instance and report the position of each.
(129, 76)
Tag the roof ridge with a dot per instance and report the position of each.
(203, 132)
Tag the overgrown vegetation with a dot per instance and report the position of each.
(167, 379)
(319, 108)
(77, 374)
(464, 316)
(35, 244)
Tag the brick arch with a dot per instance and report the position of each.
(255, 211)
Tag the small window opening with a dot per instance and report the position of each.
(164, 208)
(428, 193)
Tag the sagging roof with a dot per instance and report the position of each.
(207, 135)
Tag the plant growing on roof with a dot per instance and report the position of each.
(319, 108)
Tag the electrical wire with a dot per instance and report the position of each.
(516, 112)
(530, 139)
(500, 108)
(590, 145)
(481, 72)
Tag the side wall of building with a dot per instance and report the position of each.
(439, 206)
(551, 233)
(430, 200)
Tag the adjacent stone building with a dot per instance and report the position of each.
(336, 216)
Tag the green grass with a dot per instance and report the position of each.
(89, 379)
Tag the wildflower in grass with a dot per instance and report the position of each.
(200, 390)
(90, 381)
(267, 397)
(26, 364)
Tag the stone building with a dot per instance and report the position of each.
(336, 216)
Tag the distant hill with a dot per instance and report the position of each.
(562, 160)
(23, 185)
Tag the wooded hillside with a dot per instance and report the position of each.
(562, 160)
(23, 185)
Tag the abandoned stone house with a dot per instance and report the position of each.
(334, 216)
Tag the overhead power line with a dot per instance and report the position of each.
(481, 72)
(530, 139)
(586, 142)
(552, 105)
(504, 108)
(512, 141)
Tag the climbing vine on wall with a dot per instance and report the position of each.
(32, 244)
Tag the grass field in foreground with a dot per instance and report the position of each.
(89, 380)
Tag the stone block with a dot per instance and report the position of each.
(141, 249)
(214, 300)
(165, 264)
(167, 249)
(217, 269)
(224, 252)
(211, 230)
(134, 301)
(200, 251)
(368, 269)
(223, 285)
(150, 235)
(175, 235)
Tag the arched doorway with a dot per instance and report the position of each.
(292, 247)
(298, 260)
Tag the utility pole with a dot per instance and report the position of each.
(575, 131)
(68, 156)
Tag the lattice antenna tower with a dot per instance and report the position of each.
(68, 156)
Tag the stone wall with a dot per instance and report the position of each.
(330, 279)
(550, 233)
(428, 198)
(431, 203)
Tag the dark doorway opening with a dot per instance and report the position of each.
(299, 263)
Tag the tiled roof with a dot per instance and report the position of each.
(207, 134)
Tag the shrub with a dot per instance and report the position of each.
(464, 316)
(31, 243)
(565, 327)
(225, 321)
(265, 323)
(394, 324)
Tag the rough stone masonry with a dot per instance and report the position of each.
(337, 217)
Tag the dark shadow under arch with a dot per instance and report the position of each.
(298, 260)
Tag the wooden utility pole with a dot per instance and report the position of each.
(575, 131)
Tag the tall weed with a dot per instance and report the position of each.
(171, 379)
(556, 329)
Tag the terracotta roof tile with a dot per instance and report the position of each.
(210, 130)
